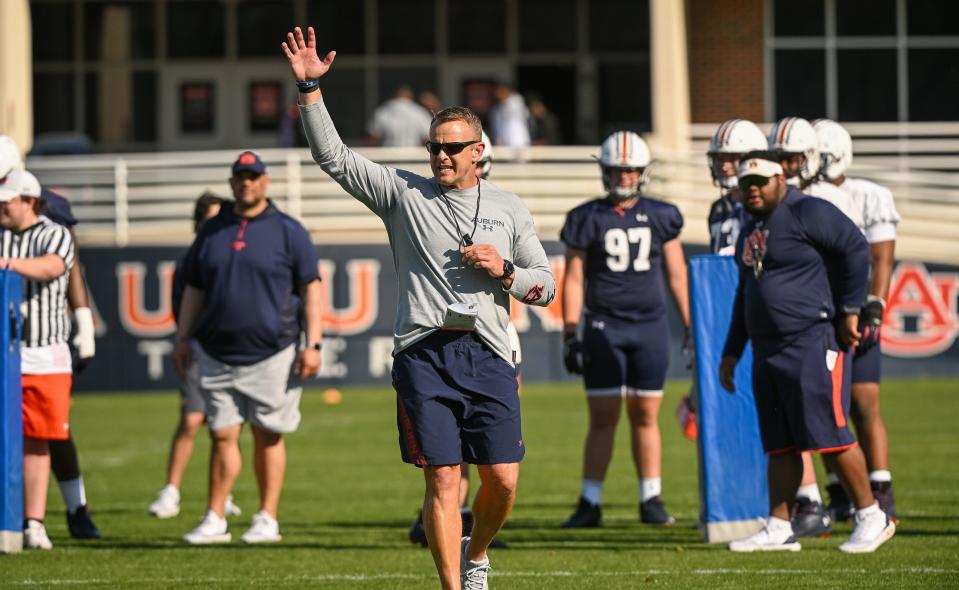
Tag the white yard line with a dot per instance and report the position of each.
(496, 574)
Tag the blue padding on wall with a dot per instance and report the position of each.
(11, 415)
(732, 464)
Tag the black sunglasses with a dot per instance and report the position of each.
(752, 180)
(452, 148)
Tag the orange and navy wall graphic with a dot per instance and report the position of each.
(131, 296)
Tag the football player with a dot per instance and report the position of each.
(622, 251)
(877, 218)
(795, 141)
(732, 140)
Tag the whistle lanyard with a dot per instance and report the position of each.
(465, 239)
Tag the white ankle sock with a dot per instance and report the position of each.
(810, 491)
(880, 475)
(868, 511)
(593, 491)
(73, 492)
(650, 487)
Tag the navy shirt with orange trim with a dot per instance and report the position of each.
(796, 266)
(624, 255)
(251, 271)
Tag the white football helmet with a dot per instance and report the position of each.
(10, 158)
(734, 137)
(624, 149)
(835, 147)
(793, 136)
(486, 160)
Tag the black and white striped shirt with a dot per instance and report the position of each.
(45, 320)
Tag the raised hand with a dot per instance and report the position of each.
(301, 53)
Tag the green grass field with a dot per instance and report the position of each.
(348, 502)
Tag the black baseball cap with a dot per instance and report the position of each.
(249, 161)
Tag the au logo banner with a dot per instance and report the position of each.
(131, 291)
(920, 318)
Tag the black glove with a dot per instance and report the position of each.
(870, 321)
(573, 353)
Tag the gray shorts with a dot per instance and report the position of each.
(191, 396)
(265, 394)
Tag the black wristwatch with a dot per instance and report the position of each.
(508, 270)
(315, 346)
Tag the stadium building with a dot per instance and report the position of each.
(145, 75)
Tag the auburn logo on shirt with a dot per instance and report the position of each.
(754, 248)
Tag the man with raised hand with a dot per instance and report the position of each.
(461, 247)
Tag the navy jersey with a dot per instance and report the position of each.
(726, 219)
(179, 284)
(251, 271)
(809, 258)
(58, 209)
(624, 255)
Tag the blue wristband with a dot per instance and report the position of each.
(307, 86)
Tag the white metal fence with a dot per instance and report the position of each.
(143, 199)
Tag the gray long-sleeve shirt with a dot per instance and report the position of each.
(425, 239)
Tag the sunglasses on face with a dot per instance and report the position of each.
(452, 148)
(750, 181)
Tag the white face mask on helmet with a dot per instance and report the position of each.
(795, 136)
(10, 158)
(735, 137)
(624, 149)
(485, 162)
(835, 147)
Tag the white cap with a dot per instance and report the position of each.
(19, 183)
(759, 167)
(10, 158)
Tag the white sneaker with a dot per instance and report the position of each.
(473, 574)
(212, 529)
(871, 530)
(265, 529)
(167, 504)
(231, 509)
(765, 540)
(35, 536)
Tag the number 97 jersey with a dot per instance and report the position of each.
(624, 255)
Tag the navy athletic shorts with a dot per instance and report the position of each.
(625, 357)
(456, 401)
(802, 393)
(867, 364)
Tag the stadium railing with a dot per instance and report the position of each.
(144, 199)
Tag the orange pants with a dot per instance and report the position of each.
(46, 406)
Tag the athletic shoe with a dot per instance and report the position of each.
(81, 525)
(652, 511)
(212, 529)
(35, 536)
(418, 533)
(265, 529)
(473, 574)
(810, 519)
(840, 507)
(587, 516)
(231, 509)
(882, 490)
(869, 533)
(765, 541)
(167, 504)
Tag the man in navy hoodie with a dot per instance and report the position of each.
(803, 271)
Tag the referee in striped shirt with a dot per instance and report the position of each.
(41, 252)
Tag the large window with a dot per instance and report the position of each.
(195, 30)
(865, 60)
(261, 26)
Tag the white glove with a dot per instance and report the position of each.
(85, 340)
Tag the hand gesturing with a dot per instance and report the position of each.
(304, 61)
